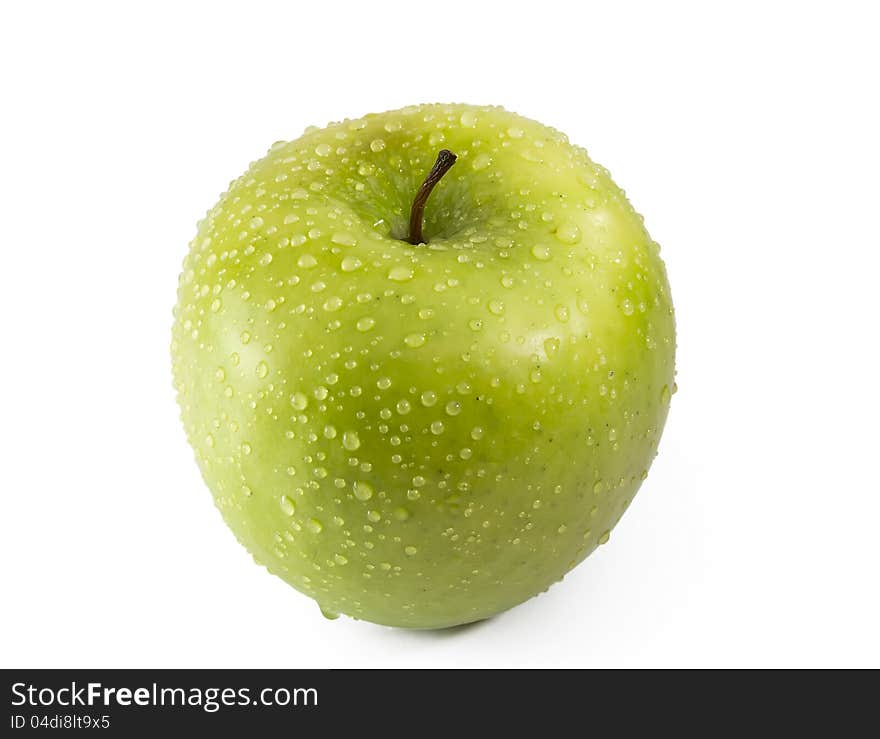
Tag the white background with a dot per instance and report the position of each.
(748, 138)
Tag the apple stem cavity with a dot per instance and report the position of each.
(445, 160)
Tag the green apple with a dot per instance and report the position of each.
(423, 434)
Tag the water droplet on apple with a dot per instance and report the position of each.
(287, 506)
(365, 324)
(568, 233)
(331, 305)
(351, 441)
(496, 307)
(363, 490)
(299, 401)
(428, 398)
(414, 341)
(400, 273)
(453, 408)
(343, 238)
(603, 539)
(262, 369)
(627, 307)
(481, 161)
(437, 428)
(542, 252)
(410, 550)
(350, 264)
(314, 525)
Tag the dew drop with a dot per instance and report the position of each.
(351, 441)
(414, 341)
(287, 506)
(331, 305)
(343, 238)
(363, 490)
(262, 369)
(481, 161)
(568, 233)
(400, 273)
(540, 251)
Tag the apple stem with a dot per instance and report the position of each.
(445, 160)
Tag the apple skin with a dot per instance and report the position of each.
(423, 436)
